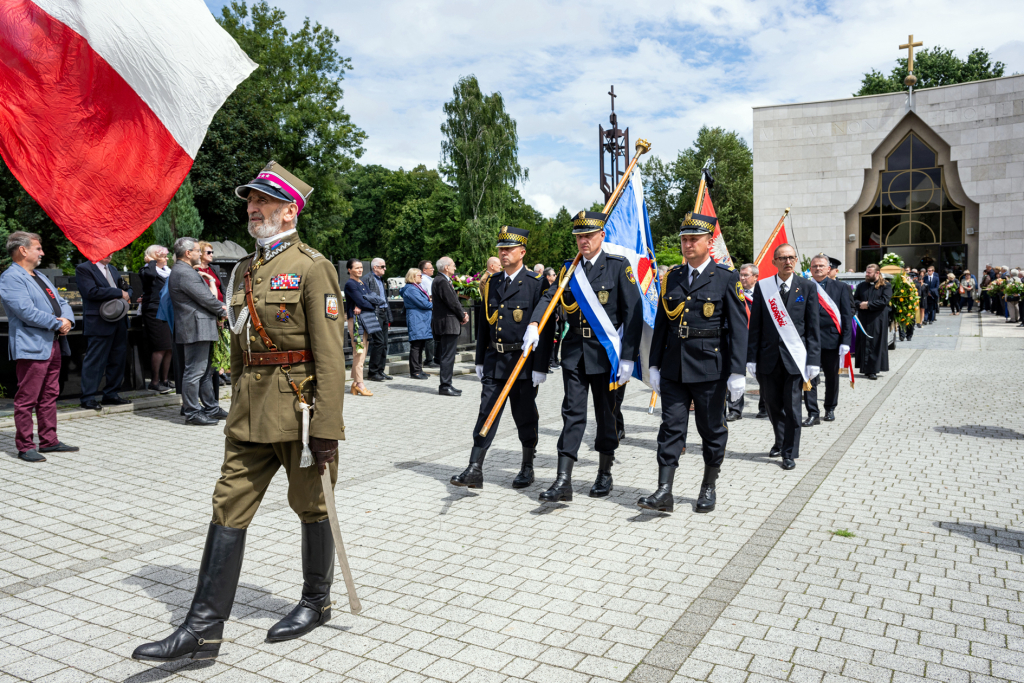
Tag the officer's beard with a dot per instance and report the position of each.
(262, 228)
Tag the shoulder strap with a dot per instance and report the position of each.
(257, 323)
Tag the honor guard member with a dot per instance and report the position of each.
(286, 357)
(698, 354)
(510, 298)
(835, 320)
(610, 306)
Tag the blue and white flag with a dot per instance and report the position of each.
(600, 324)
(628, 234)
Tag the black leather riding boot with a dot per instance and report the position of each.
(314, 609)
(603, 484)
(525, 476)
(473, 476)
(661, 500)
(562, 488)
(202, 633)
(706, 499)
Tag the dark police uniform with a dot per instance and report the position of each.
(831, 339)
(700, 338)
(585, 364)
(508, 306)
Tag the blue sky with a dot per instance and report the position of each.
(675, 65)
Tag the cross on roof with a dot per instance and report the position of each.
(910, 45)
(612, 93)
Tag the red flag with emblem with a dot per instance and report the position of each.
(765, 267)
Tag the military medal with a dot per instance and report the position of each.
(282, 314)
(709, 309)
(517, 315)
(602, 296)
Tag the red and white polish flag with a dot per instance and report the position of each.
(104, 104)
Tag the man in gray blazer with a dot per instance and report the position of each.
(196, 311)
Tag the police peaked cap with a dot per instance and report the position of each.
(697, 224)
(511, 236)
(588, 221)
(832, 261)
(278, 183)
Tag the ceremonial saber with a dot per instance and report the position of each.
(642, 147)
(654, 402)
(354, 605)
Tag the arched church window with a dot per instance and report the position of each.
(912, 206)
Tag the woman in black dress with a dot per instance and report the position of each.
(154, 278)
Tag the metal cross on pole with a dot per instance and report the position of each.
(911, 79)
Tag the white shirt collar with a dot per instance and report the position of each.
(513, 276)
(596, 256)
(267, 241)
(701, 267)
(789, 282)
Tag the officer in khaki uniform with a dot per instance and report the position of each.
(286, 353)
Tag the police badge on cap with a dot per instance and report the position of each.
(511, 236)
(588, 221)
(697, 224)
(275, 181)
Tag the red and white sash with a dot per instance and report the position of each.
(784, 324)
(829, 306)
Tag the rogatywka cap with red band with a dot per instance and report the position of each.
(275, 181)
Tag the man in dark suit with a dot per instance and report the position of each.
(106, 341)
(698, 352)
(780, 368)
(835, 320)
(931, 309)
(586, 364)
(378, 351)
(446, 318)
(509, 298)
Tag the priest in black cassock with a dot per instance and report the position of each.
(871, 307)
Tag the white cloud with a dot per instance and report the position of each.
(676, 66)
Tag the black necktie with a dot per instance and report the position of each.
(587, 265)
(504, 285)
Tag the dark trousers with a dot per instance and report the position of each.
(104, 356)
(931, 309)
(830, 369)
(983, 301)
(446, 345)
(416, 356)
(967, 300)
(378, 350)
(197, 393)
(954, 302)
(38, 388)
(428, 351)
(781, 392)
(708, 414)
(737, 406)
(574, 411)
(620, 424)
(523, 399)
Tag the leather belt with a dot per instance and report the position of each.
(507, 348)
(584, 332)
(694, 333)
(278, 357)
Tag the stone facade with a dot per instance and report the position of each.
(823, 160)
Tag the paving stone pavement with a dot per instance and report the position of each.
(99, 549)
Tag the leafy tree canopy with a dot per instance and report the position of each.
(934, 67)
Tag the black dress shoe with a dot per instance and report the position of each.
(201, 420)
(872, 376)
(59, 447)
(375, 378)
(761, 414)
(473, 476)
(788, 464)
(706, 499)
(218, 414)
(420, 375)
(661, 500)
(384, 375)
(32, 455)
(561, 490)
(314, 608)
(810, 421)
(449, 391)
(525, 476)
(775, 452)
(603, 483)
(115, 401)
(830, 416)
(91, 404)
(732, 417)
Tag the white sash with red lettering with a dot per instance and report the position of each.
(829, 306)
(784, 324)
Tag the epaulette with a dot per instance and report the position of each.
(724, 267)
(536, 276)
(671, 268)
(309, 251)
(614, 256)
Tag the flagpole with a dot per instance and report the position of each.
(642, 147)
(792, 236)
(771, 238)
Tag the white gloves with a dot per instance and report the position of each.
(655, 377)
(625, 371)
(843, 350)
(752, 369)
(480, 372)
(737, 385)
(812, 372)
(530, 339)
(539, 378)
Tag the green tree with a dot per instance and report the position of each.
(671, 190)
(19, 211)
(934, 67)
(288, 110)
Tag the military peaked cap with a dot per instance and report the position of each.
(511, 236)
(588, 221)
(697, 224)
(275, 181)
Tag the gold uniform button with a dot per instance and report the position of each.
(259, 280)
(499, 329)
(258, 376)
(501, 317)
(716, 349)
(255, 298)
(687, 298)
(686, 310)
(503, 305)
(684, 323)
(253, 338)
(283, 298)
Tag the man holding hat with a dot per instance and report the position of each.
(510, 298)
(835, 320)
(601, 305)
(286, 352)
(698, 353)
